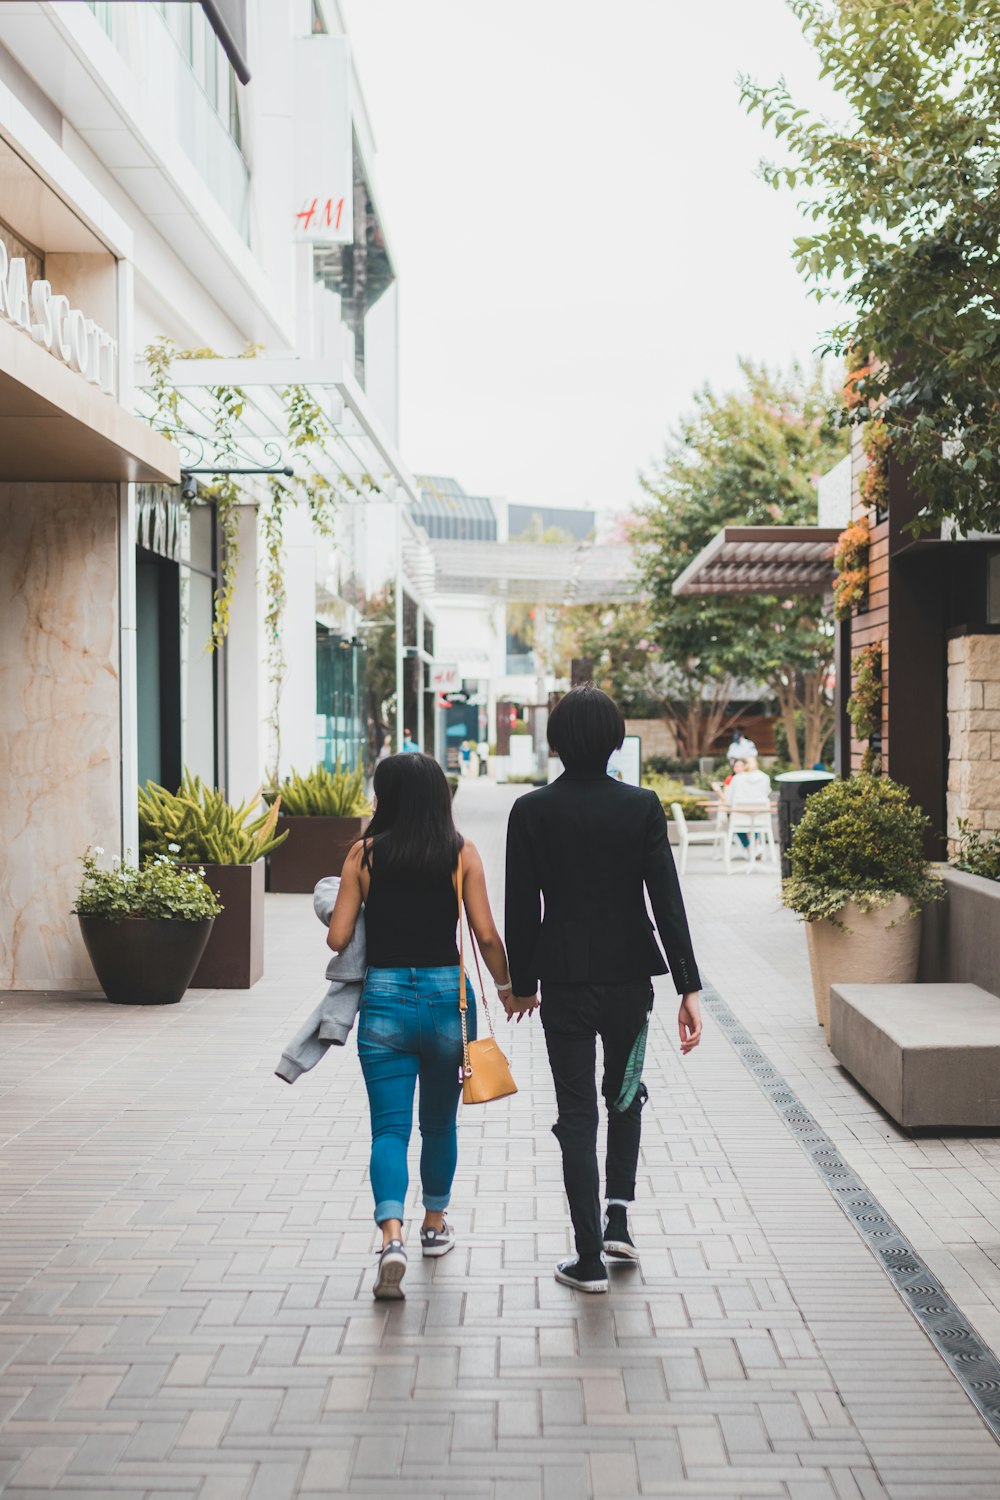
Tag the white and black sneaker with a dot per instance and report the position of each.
(388, 1285)
(435, 1242)
(618, 1243)
(588, 1275)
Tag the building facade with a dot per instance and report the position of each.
(149, 214)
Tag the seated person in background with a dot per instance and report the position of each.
(737, 767)
(750, 787)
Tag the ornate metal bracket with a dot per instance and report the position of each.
(189, 490)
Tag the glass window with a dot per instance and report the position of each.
(993, 589)
(197, 724)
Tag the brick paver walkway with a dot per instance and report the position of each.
(186, 1261)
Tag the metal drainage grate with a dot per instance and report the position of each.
(970, 1360)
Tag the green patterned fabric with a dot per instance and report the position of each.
(632, 1081)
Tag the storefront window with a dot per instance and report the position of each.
(340, 699)
(181, 684)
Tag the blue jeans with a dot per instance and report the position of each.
(409, 1027)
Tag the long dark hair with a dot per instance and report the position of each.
(412, 824)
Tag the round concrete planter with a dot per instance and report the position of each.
(879, 947)
(144, 960)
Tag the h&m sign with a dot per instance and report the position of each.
(65, 331)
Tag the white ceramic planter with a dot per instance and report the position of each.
(879, 947)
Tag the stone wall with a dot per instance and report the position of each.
(59, 720)
(974, 731)
(656, 735)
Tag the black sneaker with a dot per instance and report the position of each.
(618, 1243)
(388, 1285)
(588, 1275)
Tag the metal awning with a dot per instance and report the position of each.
(762, 560)
(536, 572)
(357, 457)
(56, 426)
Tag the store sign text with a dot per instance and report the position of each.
(64, 331)
(315, 214)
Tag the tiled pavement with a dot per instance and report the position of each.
(186, 1259)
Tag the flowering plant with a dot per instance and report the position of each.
(850, 558)
(160, 889)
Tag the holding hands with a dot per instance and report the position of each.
(518, 1005)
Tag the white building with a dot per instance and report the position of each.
(147, 193)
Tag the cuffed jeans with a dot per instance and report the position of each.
(409, 1027)
(573, 1016)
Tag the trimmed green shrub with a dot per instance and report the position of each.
(668, 765)
(978, 853)
(321, 794)
(205, 827)
(859, 840)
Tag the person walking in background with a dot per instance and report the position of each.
(410, 746)
(404, 872)
(740, 746)
(591, 848)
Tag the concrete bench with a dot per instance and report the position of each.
(928, 1053)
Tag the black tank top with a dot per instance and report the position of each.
(410, 921)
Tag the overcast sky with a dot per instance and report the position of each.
(581, 238)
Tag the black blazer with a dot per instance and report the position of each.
(588, 845)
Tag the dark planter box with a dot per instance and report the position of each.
(314, 848)
(234, 958)
(144, 960)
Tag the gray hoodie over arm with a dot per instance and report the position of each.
(331, 1022)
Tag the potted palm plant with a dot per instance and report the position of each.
(230, 843)
(144, 929)
(323, 814)
(859, 880)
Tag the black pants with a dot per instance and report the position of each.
(574, 1015)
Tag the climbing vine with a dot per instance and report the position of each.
(876, 443)
(307, 425)
(864, 707)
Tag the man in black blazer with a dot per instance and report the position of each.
(589, 848)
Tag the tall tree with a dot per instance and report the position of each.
(746, 458)
(905, 195)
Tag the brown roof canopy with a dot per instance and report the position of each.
(762, 560)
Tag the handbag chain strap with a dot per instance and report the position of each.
(463, 1000)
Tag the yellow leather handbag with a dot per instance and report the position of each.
(485, 1070)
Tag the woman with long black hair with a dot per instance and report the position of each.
(404, 871)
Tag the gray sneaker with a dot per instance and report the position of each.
(388, 1285)
(435, 1242)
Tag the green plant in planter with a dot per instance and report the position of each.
(668, 790)
(978, 852)
(204, 826)
(452, 785)
(864, 707)
(321, 794)
(160, 889)
(859, 840)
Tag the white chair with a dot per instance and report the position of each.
(755, 823)
(686, 835)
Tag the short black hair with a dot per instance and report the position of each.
(585, 727)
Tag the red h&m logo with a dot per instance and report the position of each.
(317, 215)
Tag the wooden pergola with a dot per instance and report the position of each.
(780, 560)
